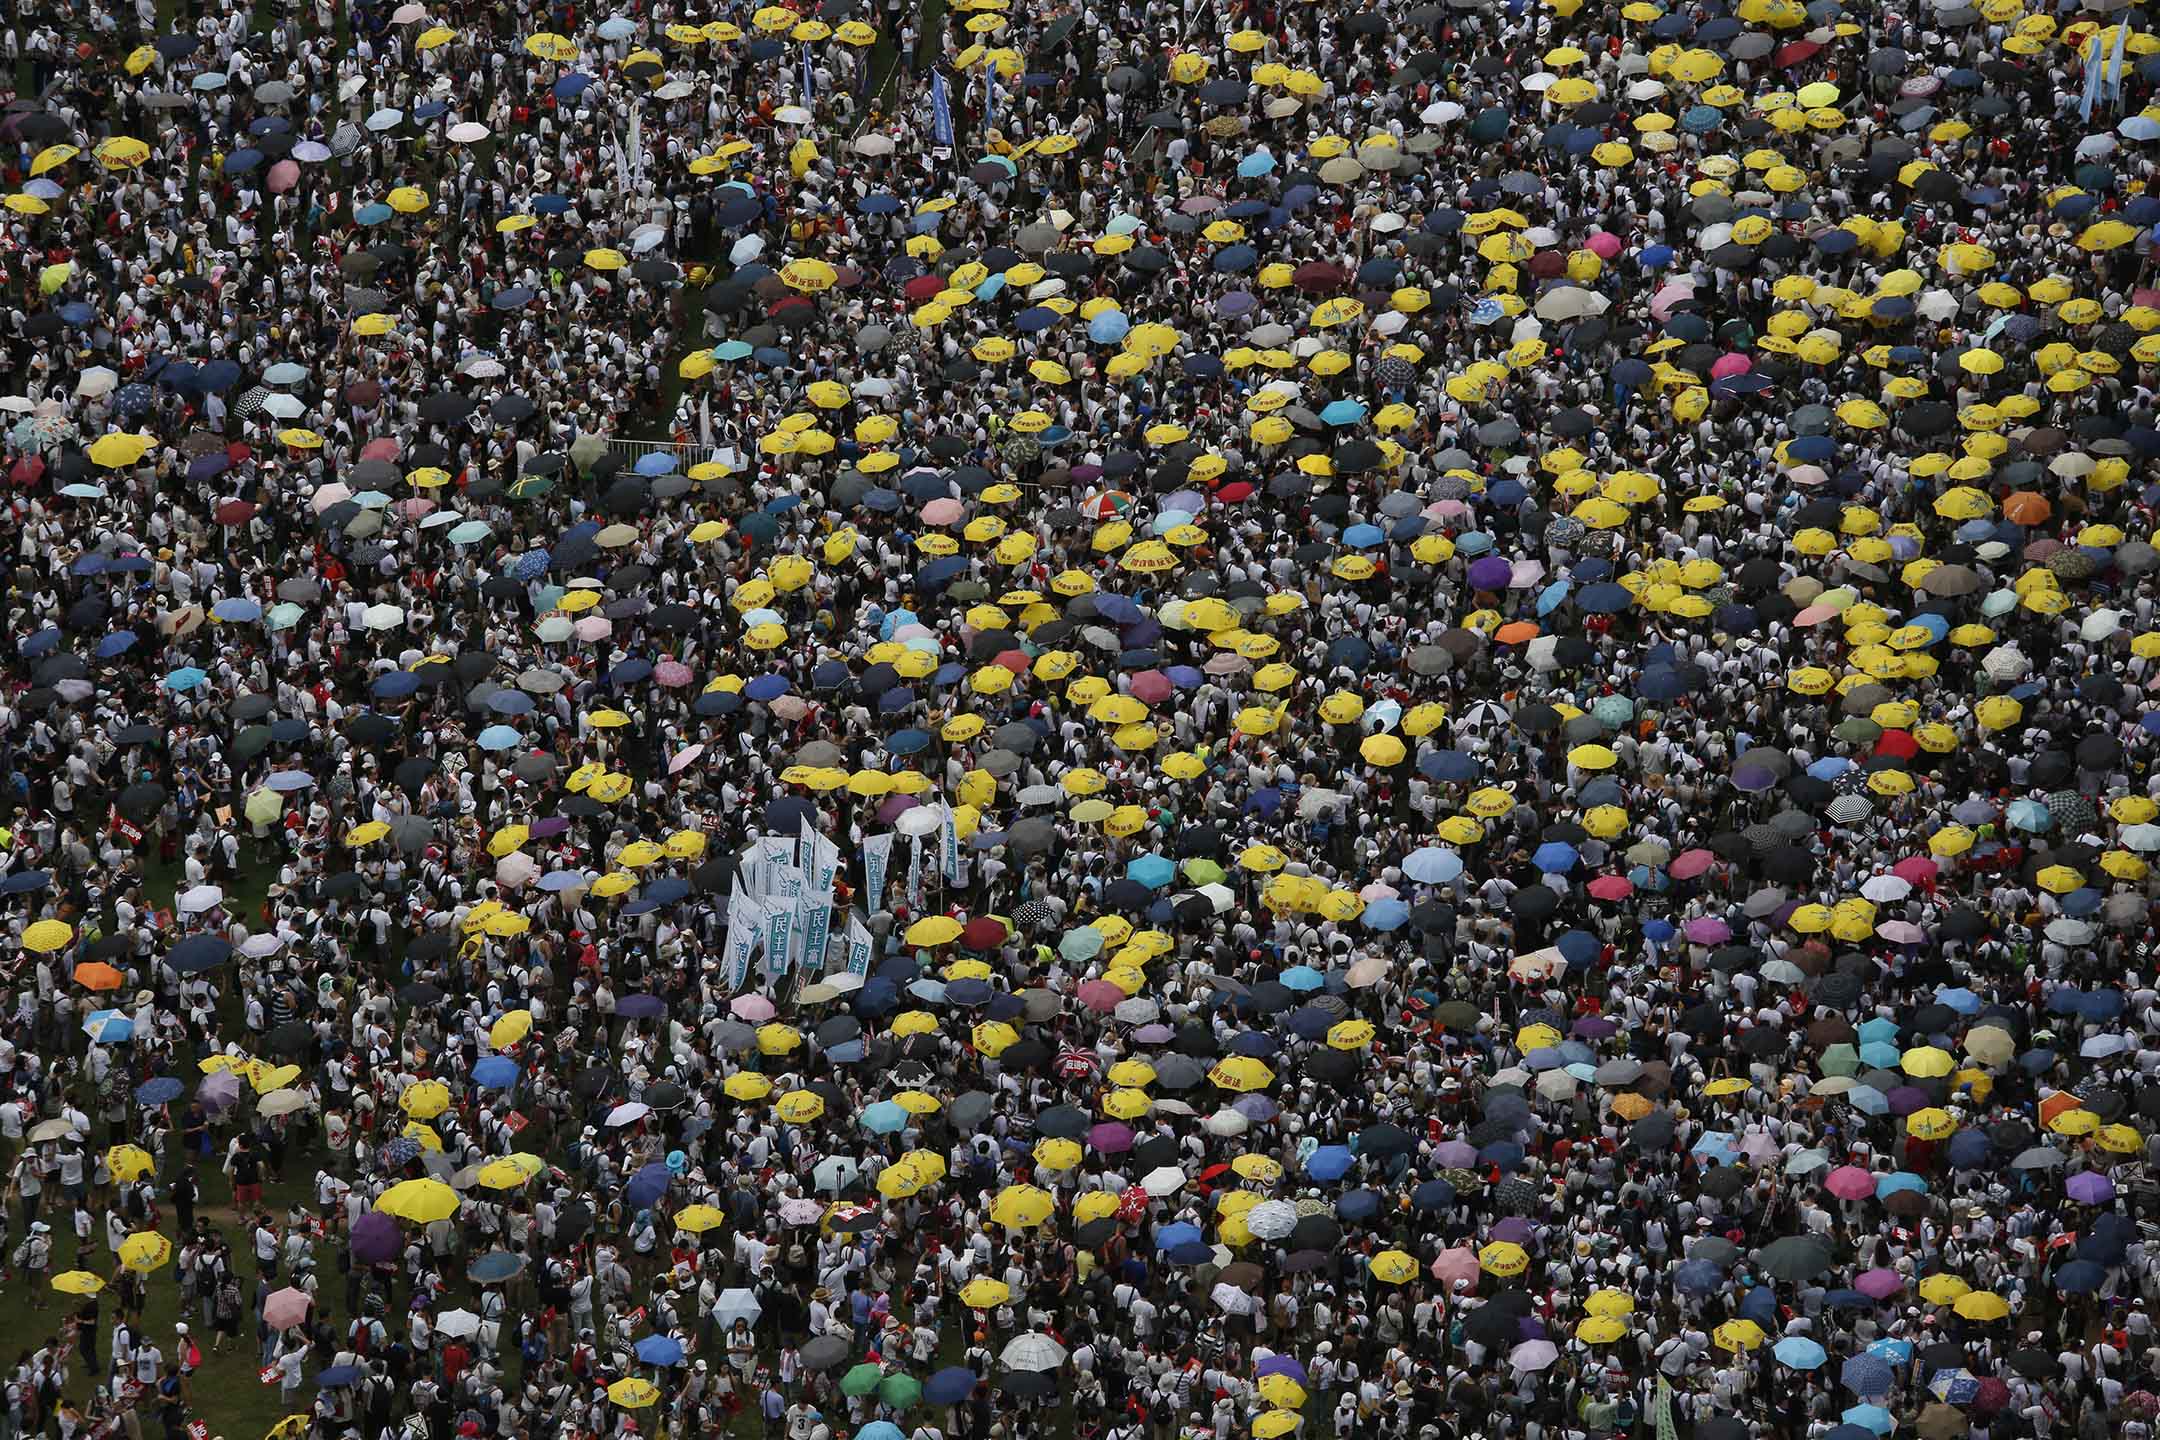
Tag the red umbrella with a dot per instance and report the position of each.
(1690, 863)
(986, 932)
(1611, 887)
(1151, 686)
(1897, 744)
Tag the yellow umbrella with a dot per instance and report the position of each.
(1504, 1259)
(1393, 1267)
(1021, 1207)
(632, 1393)
(423, 1202)
(799, 1107)
(146, 1250)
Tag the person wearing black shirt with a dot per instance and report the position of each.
(184, 1195)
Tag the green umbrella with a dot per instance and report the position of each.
(900, 1391)
(1203, 872)
(1840, 1060)
(862, 1379)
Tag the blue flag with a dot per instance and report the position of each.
(940, 110)
(809, 86)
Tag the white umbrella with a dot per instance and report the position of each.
(736, 1305)
(469, 132)
(1032, 1351)
(628, 1113)
(1232, 1300)
(1883, 889)
(1272, 1219)
(874, 145)
(791, 115)
(201, 898)
(1228, 1122)
(836, 1173)
(458, 1323)
(1163, 1180)
(382, 617)
(2005, 662)
(1533, 1355)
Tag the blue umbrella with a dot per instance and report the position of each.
(1153, 871)
(187, 677)
(1109, 327)
(1169, 1237)
(236, 610)
(160, 1091)
(660, 1350)
(1800, 1353)
(109, 1027)
(1432, 864)
(883, 1118)
(495, 1072)
(1555, 857)
(499, 737)
(1386, 915)
(1363, 537)
(1255, 165)
(1866, 1375)
(1343, 412)
(1302, 978)
(1330, 1162)
(1871, 1417)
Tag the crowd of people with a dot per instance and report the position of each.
(1129, 721)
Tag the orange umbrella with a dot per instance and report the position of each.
(97, 975)
(1515, 632)
(2026, 507)
(2058, 1103)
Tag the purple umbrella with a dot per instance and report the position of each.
(1153, 1035)
(1491, 573)
(1282, 1365)
(1906, 1099)
(1454, 1153)
(376, 1239)
(1111, 1138)
(1515, 1230)
(1593, 1027)
(2089, 1187)
(894, 807)
(1256, 1108)
(219, 1092)
(1708, 930)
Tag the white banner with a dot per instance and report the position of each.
(859, 951)
(780, 922)
(876, 860)
(949, 845)
(914, 874)
(745, 927)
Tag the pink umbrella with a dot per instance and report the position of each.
(1916, 869)
(1815, 615)
(1730, 364)
(1151, 686)
(1901, 932)
(942, 511)
(671, 673)
(594, 627)
(684, 759)
(1661, 304)
(1708, 930)
(382, 449)
(1849, 1182)
(1101, 996)
(1690, 863)
(286, 1308)
(283, 176)
(1611, 887)
(1459, 1263)
(417, 508)
(1604, 244)
(1878, 1284)
(754, 1009)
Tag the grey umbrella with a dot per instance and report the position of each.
(970, 1110)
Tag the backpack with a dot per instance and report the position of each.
(228, 1300)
